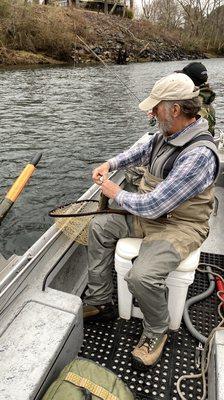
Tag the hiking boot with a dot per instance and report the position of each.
(148, 351)
(100, 312)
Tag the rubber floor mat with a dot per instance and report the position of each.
(110, 345)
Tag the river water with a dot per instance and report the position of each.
(77, 117)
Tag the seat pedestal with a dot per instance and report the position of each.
(177, 281)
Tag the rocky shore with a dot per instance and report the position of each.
(119, 54)
(122, 52)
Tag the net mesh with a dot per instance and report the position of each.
(76, 228)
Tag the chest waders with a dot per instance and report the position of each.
(186, 227)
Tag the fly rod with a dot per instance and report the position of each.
(152, 120)
(109, 69)
(84, 208)
(18, 186)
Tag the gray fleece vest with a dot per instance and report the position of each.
(164, 154)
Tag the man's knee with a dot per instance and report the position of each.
(97, 223)
(132, 280)
(100, 225)
(109, 225)
(140, 279)
(136, 280)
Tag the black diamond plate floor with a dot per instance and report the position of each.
(110, 345)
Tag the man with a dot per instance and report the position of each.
(199, 75)
(170, 211)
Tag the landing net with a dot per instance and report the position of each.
(76, 227)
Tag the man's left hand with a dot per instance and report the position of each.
(110, 189)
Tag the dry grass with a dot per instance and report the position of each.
(50, 30)
(34, 29)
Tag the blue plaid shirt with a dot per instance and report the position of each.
(191, 174)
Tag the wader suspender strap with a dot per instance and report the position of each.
(169, 164)
(92, 387)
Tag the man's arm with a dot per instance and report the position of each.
(138, 155)
(192, 173)
(100, 173)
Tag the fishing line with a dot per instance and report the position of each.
(109, 69)
(152, 120)
(74, 218)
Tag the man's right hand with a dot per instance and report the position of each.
(100, 173)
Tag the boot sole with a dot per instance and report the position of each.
(142, 367)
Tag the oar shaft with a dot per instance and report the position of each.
(4, 208)
(36, 159)
(20, 183)
(18, 186)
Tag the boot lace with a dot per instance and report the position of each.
(149, 343)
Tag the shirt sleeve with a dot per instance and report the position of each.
(191, 174)
(136, 155)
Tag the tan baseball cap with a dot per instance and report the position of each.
(175, 86)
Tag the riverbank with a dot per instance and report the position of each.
(10, 57)
(31, 35)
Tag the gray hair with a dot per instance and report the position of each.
(189, 108)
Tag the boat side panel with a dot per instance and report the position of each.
(71, 276)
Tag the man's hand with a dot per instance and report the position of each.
(100, 173)
(110, 189)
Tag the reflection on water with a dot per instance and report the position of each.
(77, 117)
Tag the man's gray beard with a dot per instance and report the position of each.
(165, 127)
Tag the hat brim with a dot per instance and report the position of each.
(149, 103)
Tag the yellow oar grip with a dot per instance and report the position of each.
(20, 182)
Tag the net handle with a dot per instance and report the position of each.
(85, 214)
(53, 213)
(103, 202)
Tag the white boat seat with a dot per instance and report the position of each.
(177, 281)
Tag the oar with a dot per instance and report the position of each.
(18, 186)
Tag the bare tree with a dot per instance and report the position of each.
(200, 19)
(163, 12)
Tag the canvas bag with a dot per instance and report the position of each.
(83, 379)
